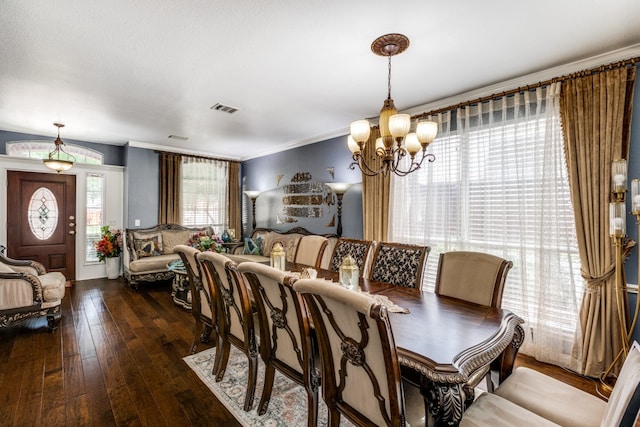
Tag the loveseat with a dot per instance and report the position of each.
(150, 251)
(262, 240)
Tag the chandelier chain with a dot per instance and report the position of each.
(389, 79)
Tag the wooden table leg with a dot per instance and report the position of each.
(446, 402)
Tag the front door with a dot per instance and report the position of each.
(41, 219)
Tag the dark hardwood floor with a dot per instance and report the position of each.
(116, 359)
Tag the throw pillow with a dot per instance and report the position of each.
(171, 238)
(251, 247)
(148, 247)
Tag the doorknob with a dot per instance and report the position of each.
(72, 232)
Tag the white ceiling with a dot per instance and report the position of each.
(299, 71)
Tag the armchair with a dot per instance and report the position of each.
(27, 290)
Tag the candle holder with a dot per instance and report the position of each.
(277, 257)
(349, 273)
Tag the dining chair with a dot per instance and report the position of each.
(235, 318)
(201, 297)
(399, 264)
(475, 277)
(571, 407)
(360, 251)
(310, 249)
(286, 342)
(472, 276)
(360, 369)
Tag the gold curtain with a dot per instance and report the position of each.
(596, 119)
(375, 195)
(235, 220)
(170, 188)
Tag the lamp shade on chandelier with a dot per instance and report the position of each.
(396, 139)
(59, 160)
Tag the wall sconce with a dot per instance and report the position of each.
(339, 188)
(59, 160)
(253, 195)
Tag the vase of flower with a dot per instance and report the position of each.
(204, 242)
(108, 249)
(113, 267)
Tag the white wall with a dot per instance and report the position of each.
(114, 200)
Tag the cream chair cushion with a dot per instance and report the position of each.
(15, 293)
(490, 410)
(552, 399)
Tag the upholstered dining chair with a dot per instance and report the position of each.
(360, 251)
(472, 276)
(400, 264)
(531, 398)
(286, 342)
(569, 406)
(310, 250)
(475, 277)
(360, 370)
(201, 297)
(235, 318)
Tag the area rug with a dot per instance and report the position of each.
(288, 404)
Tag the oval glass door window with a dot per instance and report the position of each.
(43, 213)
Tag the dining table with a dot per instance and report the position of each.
(442, 343)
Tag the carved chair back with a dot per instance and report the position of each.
(285, 333)
(360, 370)
(235, 316)
(399, 264)
(202, 308)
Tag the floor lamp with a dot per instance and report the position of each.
(339, 188)
(253, 195)
(617, 230)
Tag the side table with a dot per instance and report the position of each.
(180, 287)
(231, 246)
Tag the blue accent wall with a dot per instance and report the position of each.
(142, 186)
(631, 265)
(262, 174)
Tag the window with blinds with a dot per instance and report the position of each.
(204, 187)
(499, 185)
(94, 215)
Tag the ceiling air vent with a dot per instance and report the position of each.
(224, 108)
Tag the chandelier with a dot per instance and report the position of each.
(59, 160)
(395, 140)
